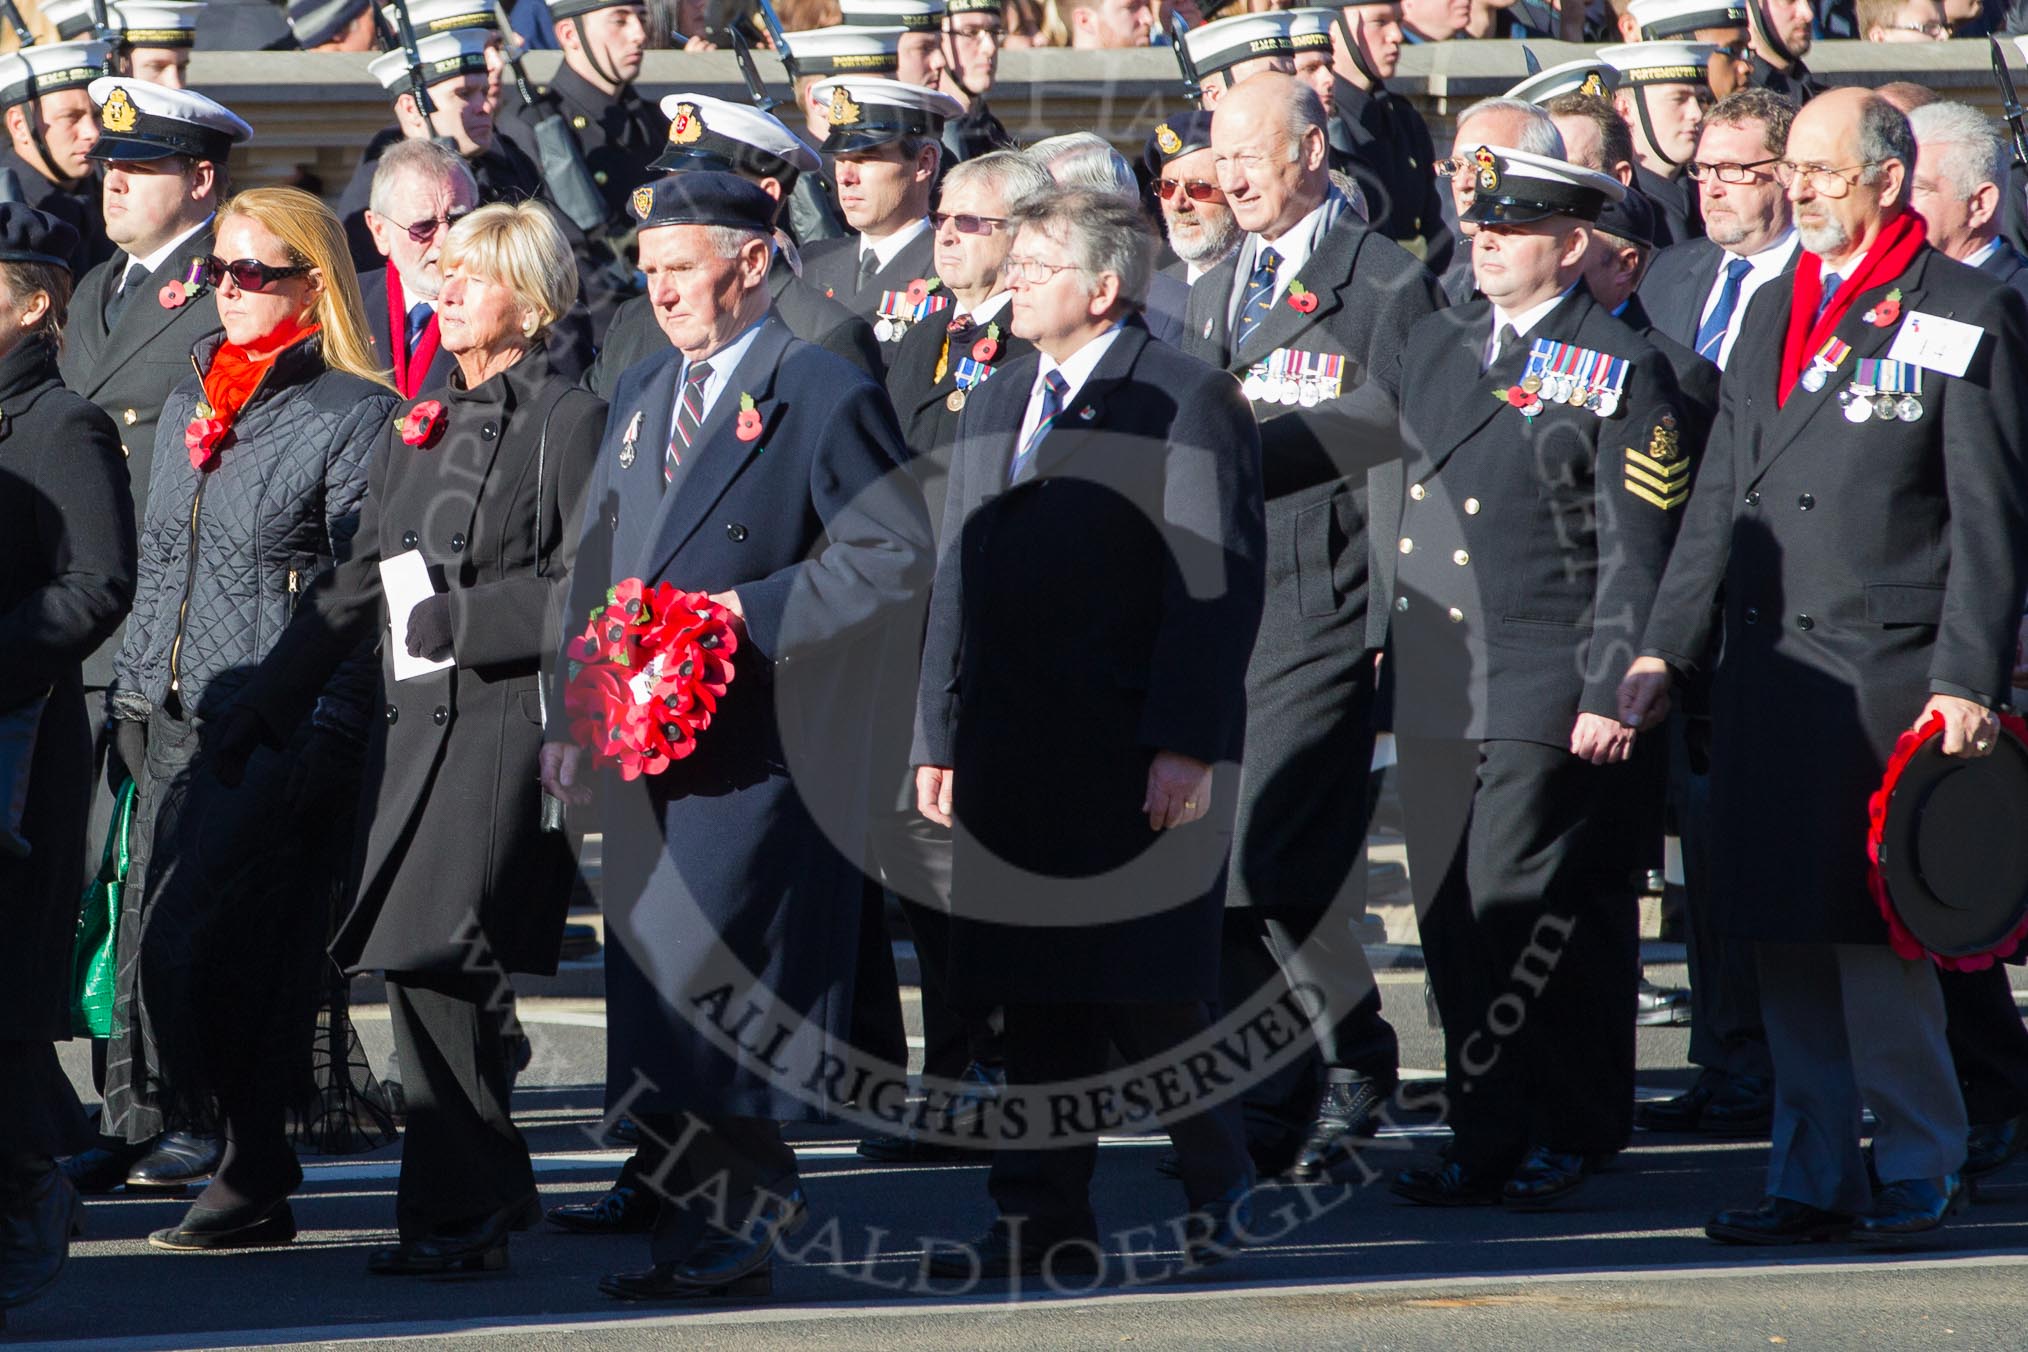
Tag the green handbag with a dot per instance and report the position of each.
(93, 962)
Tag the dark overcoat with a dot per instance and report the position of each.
(832, 266)
(1679, 282)
(130, 370)
(812, 316)
(1863, 567)
(1309, 687)
(922, 398)
(453, 864)
(1095, 612)
(732, 876)
(66, 577)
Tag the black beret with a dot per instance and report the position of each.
(29, 236)
(1632, 218)
(703, 197)
(1176, 136)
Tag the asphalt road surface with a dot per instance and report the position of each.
(1625, 1266)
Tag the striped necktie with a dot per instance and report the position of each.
(1054, 388)
(689, 416)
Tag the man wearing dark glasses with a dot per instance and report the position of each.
(420, 190)
(1195, 218)
(127, 344)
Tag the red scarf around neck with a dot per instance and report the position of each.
(410, 368)
(236, 371)
(1893, 250)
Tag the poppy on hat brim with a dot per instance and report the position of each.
(1948, 860)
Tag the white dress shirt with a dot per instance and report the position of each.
(1076, 371)
(167, 251)
(1522, 322)
(1762, 268)
(723, 363)
(1295, 246)
(887, 246)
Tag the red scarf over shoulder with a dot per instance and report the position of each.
(1893, 250)
(235, 373)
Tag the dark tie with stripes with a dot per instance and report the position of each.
(689, 417)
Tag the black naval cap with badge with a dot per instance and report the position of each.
(867, 113)
(140, 121)
(703, 197)
(709, 133)
(1175, 137)
(1513, 187)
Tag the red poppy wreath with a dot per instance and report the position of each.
(647, 674)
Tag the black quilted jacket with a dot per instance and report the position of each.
(226, 554)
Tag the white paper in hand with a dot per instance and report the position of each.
(405, 580)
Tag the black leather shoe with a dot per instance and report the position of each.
(1912, 1207)
(580, 942)
(475, 1248)
(724, 1265)
(624, 1131)
(256, 1226)
(1448, 1184)
(1661, 1006)
(38, 1214)
(1683, 1112)
(1219, 1231)
(103, 1169)
(178, 1160)
(1545, 1178)
(995, 1255)
(1348, 1112)
(622, 1211)
(1778, 1220)
(1743, 1106)
(1990, 1146)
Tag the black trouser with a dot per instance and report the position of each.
(914, 855)
(1049, 1187)
(709, 1177)
(877, 1027)
(1988, 1042)
(462, 1158)
(1283, 948)
(1725, 1028)
(39, 1111)
(1521, 856)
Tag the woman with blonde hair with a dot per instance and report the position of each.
(260, 468)
(479, 481)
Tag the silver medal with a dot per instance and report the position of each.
(883, 329)
(1858, 408)
(1883, 407)
(1814, 378)
(1309, 395)
(1288, 392)
(1908, 408)
(1608, 404)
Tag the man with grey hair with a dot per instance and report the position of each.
(1961, 177)
(1513, 123)
(1311, 304)
(420, 189)
(1083, 159)
(1820, 671)
(1105, 491)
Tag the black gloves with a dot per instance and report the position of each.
(325, 770)
(239, 734)
(429, 628)
(126, 753)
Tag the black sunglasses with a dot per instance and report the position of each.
(248, 274)
(967, 223)
(1196, 189)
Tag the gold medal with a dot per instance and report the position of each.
(955, 401)
(1532, 384)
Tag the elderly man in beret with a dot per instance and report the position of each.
(768, 473)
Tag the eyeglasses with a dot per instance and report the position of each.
(1824, 180)
(967, 223)
(1731, 173)
(422, 232)
(1453, 167)
(1196, 189)
(248, 274)
(1033, 270)
(1935, 32)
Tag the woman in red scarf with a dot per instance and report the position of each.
(260, 468)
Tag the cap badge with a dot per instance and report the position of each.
(1489, 168)
(119, 113)
(844, 112)
(1166, 139)
(1593, 86)
(686, 126)
(643, 200)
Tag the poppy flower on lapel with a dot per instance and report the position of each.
(1886, 312)
(1301, 299)
(919, 289)
(172, 295)
(987, 348)
(204, 437)
(748, 426)
(423, 424)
